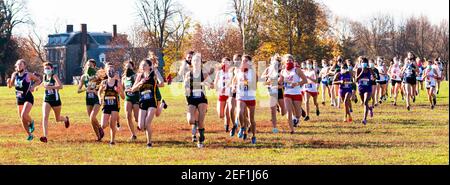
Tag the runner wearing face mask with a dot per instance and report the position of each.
(382, 81)
(345, 81)
(325, 82)
(396, 80)
(430, 75)
(364, 77)
(52, 99)
(310, 89)
(275, 89)
(409, 72)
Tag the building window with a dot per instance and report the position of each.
(102, 58)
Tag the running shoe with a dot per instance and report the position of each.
(194, 138)
(295, 122)
(432, 107)
(165, 104)
(30, 137)
(351, 110)
(253, 140)
(67, 123)
(303, 113)
(133, 138)
(292, 132)
(395, 104)
(43, 139)
(31, 127)
(227, 128)
(233, 130)
(241, 133)
(434, 101)
(118, 126)
(306, 118)
(278, 109)
(371, 111)
(200, 145)
(149, 145)
(323, 103)
(408, 108)
(112, 143)
(317, 112)
(350, 119)
(194, 128)
(275, 130)
(414, 99)
(101, 133)
(244, 137)
(364, 122)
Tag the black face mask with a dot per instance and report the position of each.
(111, 74)
(129, 72)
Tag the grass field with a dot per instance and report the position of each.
(393, 136)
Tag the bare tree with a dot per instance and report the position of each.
(246, 12)
(161, 21)
(12, 14)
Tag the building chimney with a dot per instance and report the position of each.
(69, 28)
(114, 34)
(84, 42)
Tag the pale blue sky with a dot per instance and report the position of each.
(101, 14)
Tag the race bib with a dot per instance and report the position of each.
(273, 91)
(308, 85)
(19, 94)
(50, 92)
(365, 82)
(197, 93)
(110, 100)
(146, 95)
(91, 95)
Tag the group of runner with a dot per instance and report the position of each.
(291, 85)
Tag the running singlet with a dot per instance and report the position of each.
(129, 82)
(111, 97)
(90, 84)
(429, 79)
(383, 77)
(346, 79)
(310, 86)
(364, 80)
(22, 85)
(50, 95)
(291, 77)
(273, 79)
(224, 88)
(410, 70)
(245, 85)
(395, 73)
(148, 89)
(196, 89)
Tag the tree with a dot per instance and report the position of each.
(246, 13)
(12, 13)
(161, 19)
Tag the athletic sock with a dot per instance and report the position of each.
(202, 135)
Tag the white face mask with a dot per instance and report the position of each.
(48, 71)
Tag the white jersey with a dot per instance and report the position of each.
(224, 83)
(382, 76)
(310, 86)
(291, 77)
(439, 72)
(430, 81)
(395, 73)
(246, 85)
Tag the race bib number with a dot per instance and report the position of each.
(50, 92)
(288, 85)
(110, 100)
(91, 95)
(273, 91)
(365, 82)
(147, 95)
(308, 85)
(19, 94)
(197, 93)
